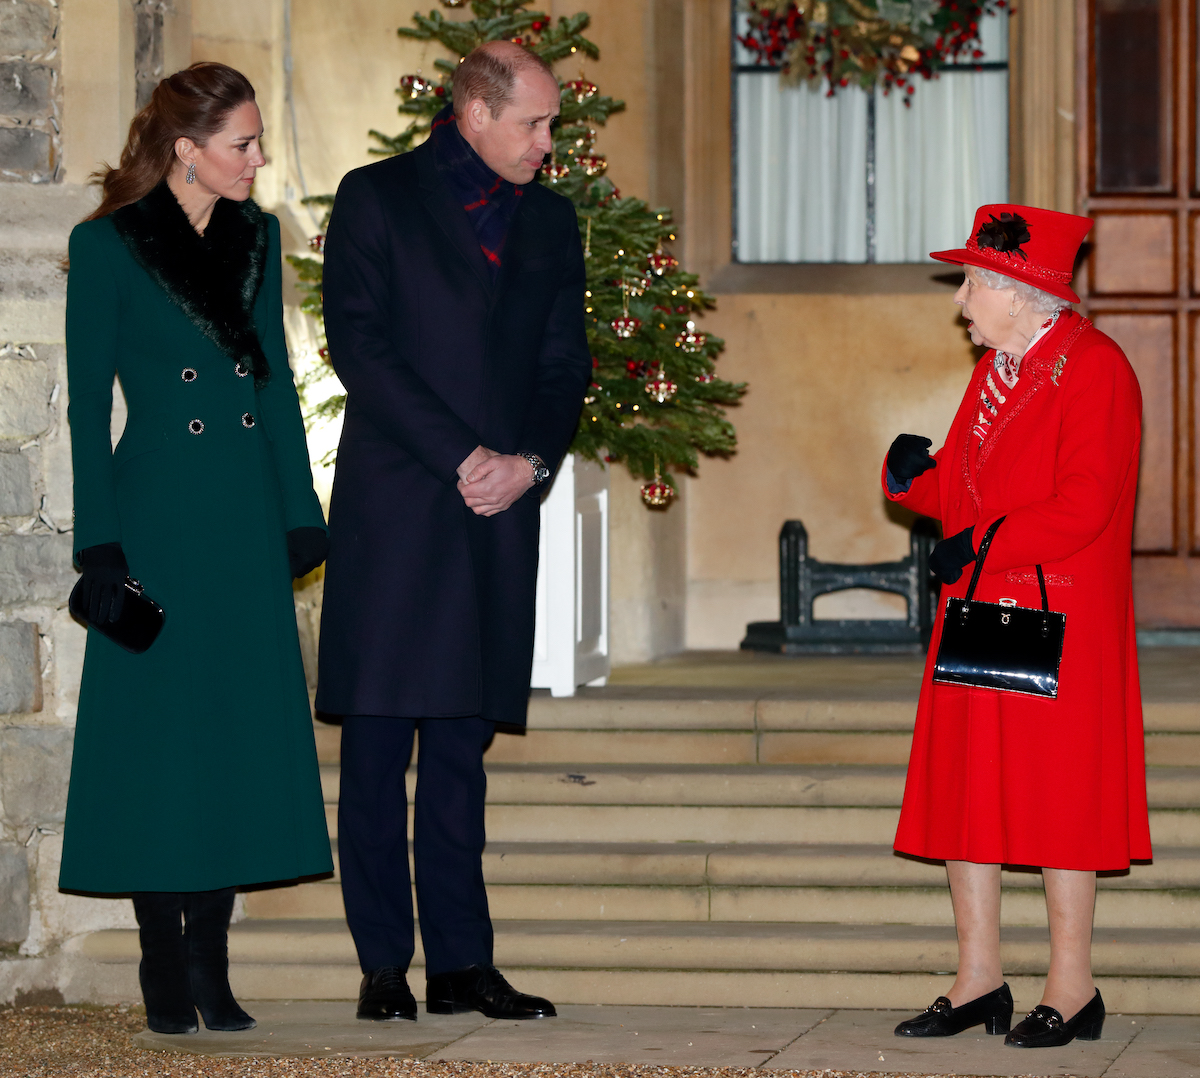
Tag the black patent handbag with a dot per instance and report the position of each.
(997, 646)
(138, 626)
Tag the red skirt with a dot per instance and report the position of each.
(999, 778)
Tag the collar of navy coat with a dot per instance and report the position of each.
(215, 278)
(452, 219)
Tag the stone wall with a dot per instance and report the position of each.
(30, 98)
(52, 136)
(41, 647)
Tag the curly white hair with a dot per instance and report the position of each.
(1037, 298)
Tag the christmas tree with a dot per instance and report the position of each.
(654, 402)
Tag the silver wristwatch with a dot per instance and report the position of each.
(540, 472)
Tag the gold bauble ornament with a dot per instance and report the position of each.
(414, 86)
(593, 164)
(661, 388)
(662, 263)
(656, 493)
(582, 89)
(691, 339)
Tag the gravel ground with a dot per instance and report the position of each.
(96, 1042)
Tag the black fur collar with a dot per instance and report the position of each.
(213, 278)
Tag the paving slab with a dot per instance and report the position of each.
(671, 1036)
(1167, 1046)
(864, 1041)
(307, 1028)
(770, 1039)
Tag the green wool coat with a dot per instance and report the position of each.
(194, 765)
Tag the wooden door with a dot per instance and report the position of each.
(1138, 181)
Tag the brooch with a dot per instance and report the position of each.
(1058, 369)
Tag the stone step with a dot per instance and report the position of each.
(864, 905)
(733, 823)
(775, 864)
(765, 785)
(761, 804)
(748, 732)
(1138, 970)
(610, 880)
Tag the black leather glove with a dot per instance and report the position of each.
(307, 548)
(909, 457)
(951, 555)
(103, 581)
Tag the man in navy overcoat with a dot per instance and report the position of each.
(454, 312)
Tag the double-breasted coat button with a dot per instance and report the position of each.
(247, 420)
(196, 426)
(241, 370)
(188, 374)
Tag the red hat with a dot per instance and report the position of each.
(1026, 243)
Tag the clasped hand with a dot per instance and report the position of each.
(490, 482)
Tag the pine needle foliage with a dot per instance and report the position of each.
(654, 402)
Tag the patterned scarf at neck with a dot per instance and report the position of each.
(1007, 368)
(491, 202)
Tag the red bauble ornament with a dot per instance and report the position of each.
(317, 243)
(661, 263)
(556, 170)
(625, 326)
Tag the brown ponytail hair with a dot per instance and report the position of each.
(192, 103)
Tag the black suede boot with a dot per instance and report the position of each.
(206, 915)
(164, 967)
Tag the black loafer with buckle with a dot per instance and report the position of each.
(942, 1019)
(1044, 1027)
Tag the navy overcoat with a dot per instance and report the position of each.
(428, 608)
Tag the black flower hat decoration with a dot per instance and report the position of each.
(1004, 234)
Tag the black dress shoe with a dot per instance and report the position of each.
(1043, 1027)
(384, 996)
(943, 1019)
(481, 988)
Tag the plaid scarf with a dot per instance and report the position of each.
(491, 202)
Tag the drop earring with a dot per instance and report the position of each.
(1012, 307)
(191, 173)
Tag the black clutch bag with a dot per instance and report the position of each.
(138, 626)
(994, 646)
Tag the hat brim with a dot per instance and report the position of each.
(963, 257)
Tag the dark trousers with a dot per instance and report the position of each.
(448, 839)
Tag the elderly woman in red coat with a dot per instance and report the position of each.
(1046, 438)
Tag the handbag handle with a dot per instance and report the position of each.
(984, 546)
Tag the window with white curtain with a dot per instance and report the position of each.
(861, 176)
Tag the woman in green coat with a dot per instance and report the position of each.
(194, 767)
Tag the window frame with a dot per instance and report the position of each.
(837, 285)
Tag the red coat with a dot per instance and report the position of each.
(1001, 778)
